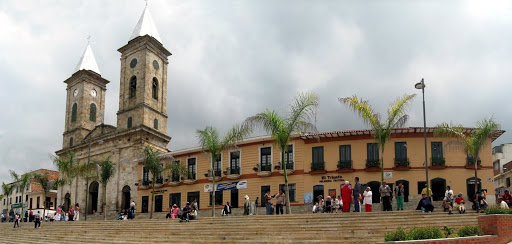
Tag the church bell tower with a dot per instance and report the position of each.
(143, 88)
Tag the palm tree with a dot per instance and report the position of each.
(106, 172)
(67, 167)
(471, 143)
(211, 143)
(153, 165)
(176, 169)
(7, 190)
(47, 184)
(302, 112)
(397, 117)
(22, 182)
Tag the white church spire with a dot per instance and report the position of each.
(146, 26)
(87, 61)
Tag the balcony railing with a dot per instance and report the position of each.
(174, 178)
(372, 163)
(233, 171)
(159, 180)
(218, 173)
(437, 161)
(317, 166)
(346, 164)
(263, 167)
(471, 161)
(402, 162)
(279, 166)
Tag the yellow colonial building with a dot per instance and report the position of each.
(317, 164)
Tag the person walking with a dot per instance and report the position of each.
(399, 195)
(268, 202)
(385, 193)
(132, 207)
(356, 193)
(346, 195)
(227, 210)
(247, 205)
(367, 199)
(280, 201)
(37, 220)
(77, 212)
(26, 216)
(30, 216)
(16, 220)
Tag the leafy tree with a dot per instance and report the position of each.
(47, 184)
(22, 181)
(153, 165)
(7, 190)
(470, 142)
(212, 144)
(176, 168)
(105, 173)
(397, 117)
(281, 128)
(67, 167)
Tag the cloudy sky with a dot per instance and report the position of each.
(233, 59)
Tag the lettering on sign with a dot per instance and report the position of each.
(331, 178)
(159, 191)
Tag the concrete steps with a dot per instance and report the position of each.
(296, 228)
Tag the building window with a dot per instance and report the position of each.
(345, 153)
(508, 182)
(372, 152)
(74, 112)
(145, 174)
(437, 150)
(133, 86)
(155, 88)
(129, 124)
(266, 158)
(400, 152)
(191, 166)
(234, 162)
(92, 115)
(288, 155)
(71, 142)
(155, 124)
(292, 189)
(318, 155)
(26, 198)
(218, 198)
(38, 201)
(217, 165)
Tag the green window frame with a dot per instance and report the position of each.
(74, 112)
(155, 88)
(155, 124)
(71, 142)
(129, 123)
(133, 86)
(92, 113)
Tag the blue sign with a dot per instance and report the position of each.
(232, 185)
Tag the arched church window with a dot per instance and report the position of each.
(92, 115)
(71, 142)
(74, 113)
(155, 88)
(133, 86)
(155, 124)
(129, 122)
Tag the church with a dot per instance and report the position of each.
(141, 119)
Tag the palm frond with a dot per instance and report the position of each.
(364, 110)
(398, 110)
(400, 122)
(236, 134)
(270, 121)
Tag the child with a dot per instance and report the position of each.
(315, 208)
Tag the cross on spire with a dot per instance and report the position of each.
(88, 39)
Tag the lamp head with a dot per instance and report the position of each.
(420, 85)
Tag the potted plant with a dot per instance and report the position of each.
(255, 169)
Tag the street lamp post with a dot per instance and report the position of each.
(87, 179)
(421, 85)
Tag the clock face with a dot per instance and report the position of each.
(133, 63)
(75, 92)
(93, 93)
(155, 64)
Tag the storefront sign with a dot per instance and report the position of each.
(16, 205)
(332, 178)
(159, 191)
(232, 185)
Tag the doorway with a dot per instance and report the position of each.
(67, 202)
(438, 186)
(234, 198)
(317, 191)
(125, 198)
(374, 186)
(406, 189)
(145, 203)
(470, 186)
(93, 197)
(193, 195)
(158, 203)
(264, 190)
(175, 198)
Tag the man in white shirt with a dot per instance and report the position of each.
(502, 203)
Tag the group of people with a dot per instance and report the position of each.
(280, 199)
(72, 213)
(349, 195)
(187, 213)
(126, 214)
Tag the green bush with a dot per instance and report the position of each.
(399, 235)
(497, 210)
(470, 230)
(425, 233)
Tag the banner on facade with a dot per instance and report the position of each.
(232, 185)
(208, 187)
(308, 198)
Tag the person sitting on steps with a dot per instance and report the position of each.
(459, 204)
(424, 204)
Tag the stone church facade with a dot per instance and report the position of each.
(141, 119)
